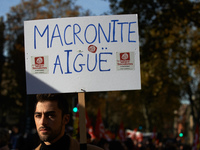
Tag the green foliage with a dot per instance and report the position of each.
(169, 48)
(2, 39)
(13, 89)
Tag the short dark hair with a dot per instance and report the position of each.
(59, 98)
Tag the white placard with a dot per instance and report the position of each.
(96, 53)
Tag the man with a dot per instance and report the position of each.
(51, 116)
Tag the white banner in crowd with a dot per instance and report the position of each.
(96, 53)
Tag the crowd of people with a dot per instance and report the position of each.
(146, 144)
(14, 140)
(51, 118)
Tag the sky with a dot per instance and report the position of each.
(97, 7)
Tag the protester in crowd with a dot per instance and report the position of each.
(129, 144)
(88, 138)
(31, 140)
(16, 138)
(4, 139)
(103, 143)
(116, 145)
(51, 116)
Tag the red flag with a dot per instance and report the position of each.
(109, 135)
(89, 127)
(131, 134)
(139, 136)
(99, 127)
(88, 122)
(91, 133)
(196, 139)
(121, 132)
(154, 134)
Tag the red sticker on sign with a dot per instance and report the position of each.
(92, 48)
(39, 60)
(39, 64)
(124, 57)
(125, 61)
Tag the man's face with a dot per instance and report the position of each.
(49, 121)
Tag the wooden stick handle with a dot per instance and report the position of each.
(82, 123)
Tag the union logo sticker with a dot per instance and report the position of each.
(125, 60)
(39, 65)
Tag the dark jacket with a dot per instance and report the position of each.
(74, 145)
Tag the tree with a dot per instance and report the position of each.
(169, 33)
(14, 73)
(2, 59)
